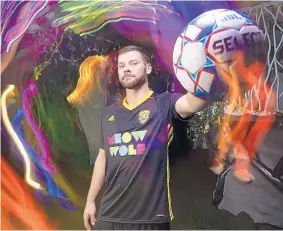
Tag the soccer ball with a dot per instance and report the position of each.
(210, 40)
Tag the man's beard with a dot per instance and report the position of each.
(133, 83)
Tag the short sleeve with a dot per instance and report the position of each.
(167, 102)
(172, 113)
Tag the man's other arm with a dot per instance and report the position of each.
(98, 176)
(97, 182)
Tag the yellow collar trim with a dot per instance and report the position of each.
(126, 105)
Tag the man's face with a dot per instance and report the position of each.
(132, 69)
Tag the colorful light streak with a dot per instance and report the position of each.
(15, 138)
(30, 90)
(111, 21)
(87, 17)
(25, 16)
(48, 178)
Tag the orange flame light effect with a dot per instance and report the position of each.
(90, 74)
(241, 136)
(18, 205)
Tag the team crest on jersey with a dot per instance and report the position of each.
(144, 116)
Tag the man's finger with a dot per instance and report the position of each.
(92, 219)
(86, 223)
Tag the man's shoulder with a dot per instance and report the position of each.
(109, 113)
(113, 105)
(162, 96)
(111, 108)
(167, 97)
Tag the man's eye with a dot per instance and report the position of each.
(135, 64)
(121, 66)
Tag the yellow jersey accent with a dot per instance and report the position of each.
(111, 118)
(126, 105)
(170, 132)
(170, 128)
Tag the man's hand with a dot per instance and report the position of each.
(89, 215)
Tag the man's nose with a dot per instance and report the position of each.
(127, 69)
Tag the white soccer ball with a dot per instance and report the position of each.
(211, 39)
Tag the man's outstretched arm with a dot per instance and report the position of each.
(189, 104)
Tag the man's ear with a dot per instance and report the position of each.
(148, 68)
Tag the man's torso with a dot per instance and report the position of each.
(137, 172)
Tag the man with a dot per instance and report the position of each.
(132, 161)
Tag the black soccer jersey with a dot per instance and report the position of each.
(137, 169)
